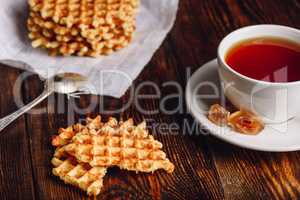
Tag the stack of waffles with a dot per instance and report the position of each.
(82, 27)
(85, 152)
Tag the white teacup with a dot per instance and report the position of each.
(274, 102)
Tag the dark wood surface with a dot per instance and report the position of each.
(205, 167)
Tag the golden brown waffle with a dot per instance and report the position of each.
(65, 135)
(82, 27)
(58, 40)
(92, 126)
(83, 176)
(126, 146)
(86, 151)
(85, 12)
(63, 41)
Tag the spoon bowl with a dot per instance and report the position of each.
(66, 83)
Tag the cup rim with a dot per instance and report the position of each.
(221, 58)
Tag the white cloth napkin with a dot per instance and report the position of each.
(111, 75)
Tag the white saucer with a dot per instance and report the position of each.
(275, 138)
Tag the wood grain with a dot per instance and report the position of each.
(244, 174)
(16, 177)
(205, 167)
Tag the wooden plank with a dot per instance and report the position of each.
(193, 166)
(41, 128)
(205, 168)
(244, 174)
(189, 159)
(248, 174)
(15, 160)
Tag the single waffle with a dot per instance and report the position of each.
(92, 126)
(128, 147)
(83, 176)
(86, 12)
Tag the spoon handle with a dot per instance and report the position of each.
(4, 122)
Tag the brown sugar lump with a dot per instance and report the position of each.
(218, 115)
(246, 122)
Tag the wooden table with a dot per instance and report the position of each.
(205, 167)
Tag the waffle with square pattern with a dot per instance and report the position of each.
(60, 40)
(126, 146)
(86, 12)
(83, 28)
(92, 126)
(83, 176)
